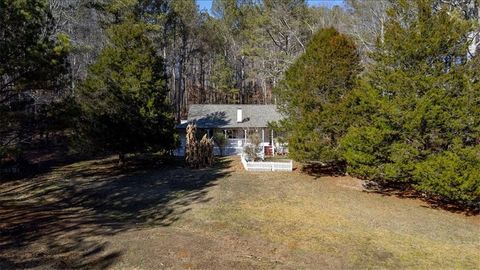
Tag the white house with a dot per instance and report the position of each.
(236, 122)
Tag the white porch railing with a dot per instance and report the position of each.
(234, 143)
(268, 166)
(232, 147)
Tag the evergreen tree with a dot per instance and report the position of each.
(32, 65)
(416, 116)
(311, 94)
(222, 78)
(31, 56)
(124, 97)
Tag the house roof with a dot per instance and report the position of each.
(225, 116)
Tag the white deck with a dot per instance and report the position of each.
(269, 166)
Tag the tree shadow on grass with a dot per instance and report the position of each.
(399, 190)
(318, 170)
(60, 220)
(406, 191)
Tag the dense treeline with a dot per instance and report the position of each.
(412, 117)
(237, 53)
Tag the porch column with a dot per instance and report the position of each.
(263, 142)
(273, 145)
(245, 131)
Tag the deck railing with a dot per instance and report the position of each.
(267, 166)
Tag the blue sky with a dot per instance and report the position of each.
(207, 4)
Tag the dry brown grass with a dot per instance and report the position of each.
(334, 218)
(226, 218)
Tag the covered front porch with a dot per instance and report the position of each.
(237, 139)
(240, 137)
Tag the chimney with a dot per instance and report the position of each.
(239, 115)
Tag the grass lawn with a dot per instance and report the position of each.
(92, 215)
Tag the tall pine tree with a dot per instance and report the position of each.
(124, 97)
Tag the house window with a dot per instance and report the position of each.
(235, 133)
(229, 133)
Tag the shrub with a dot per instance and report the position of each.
(365, 150)
(253, 150)
(220, 140)
(454, 175)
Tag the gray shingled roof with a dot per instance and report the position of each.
(225, 116)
